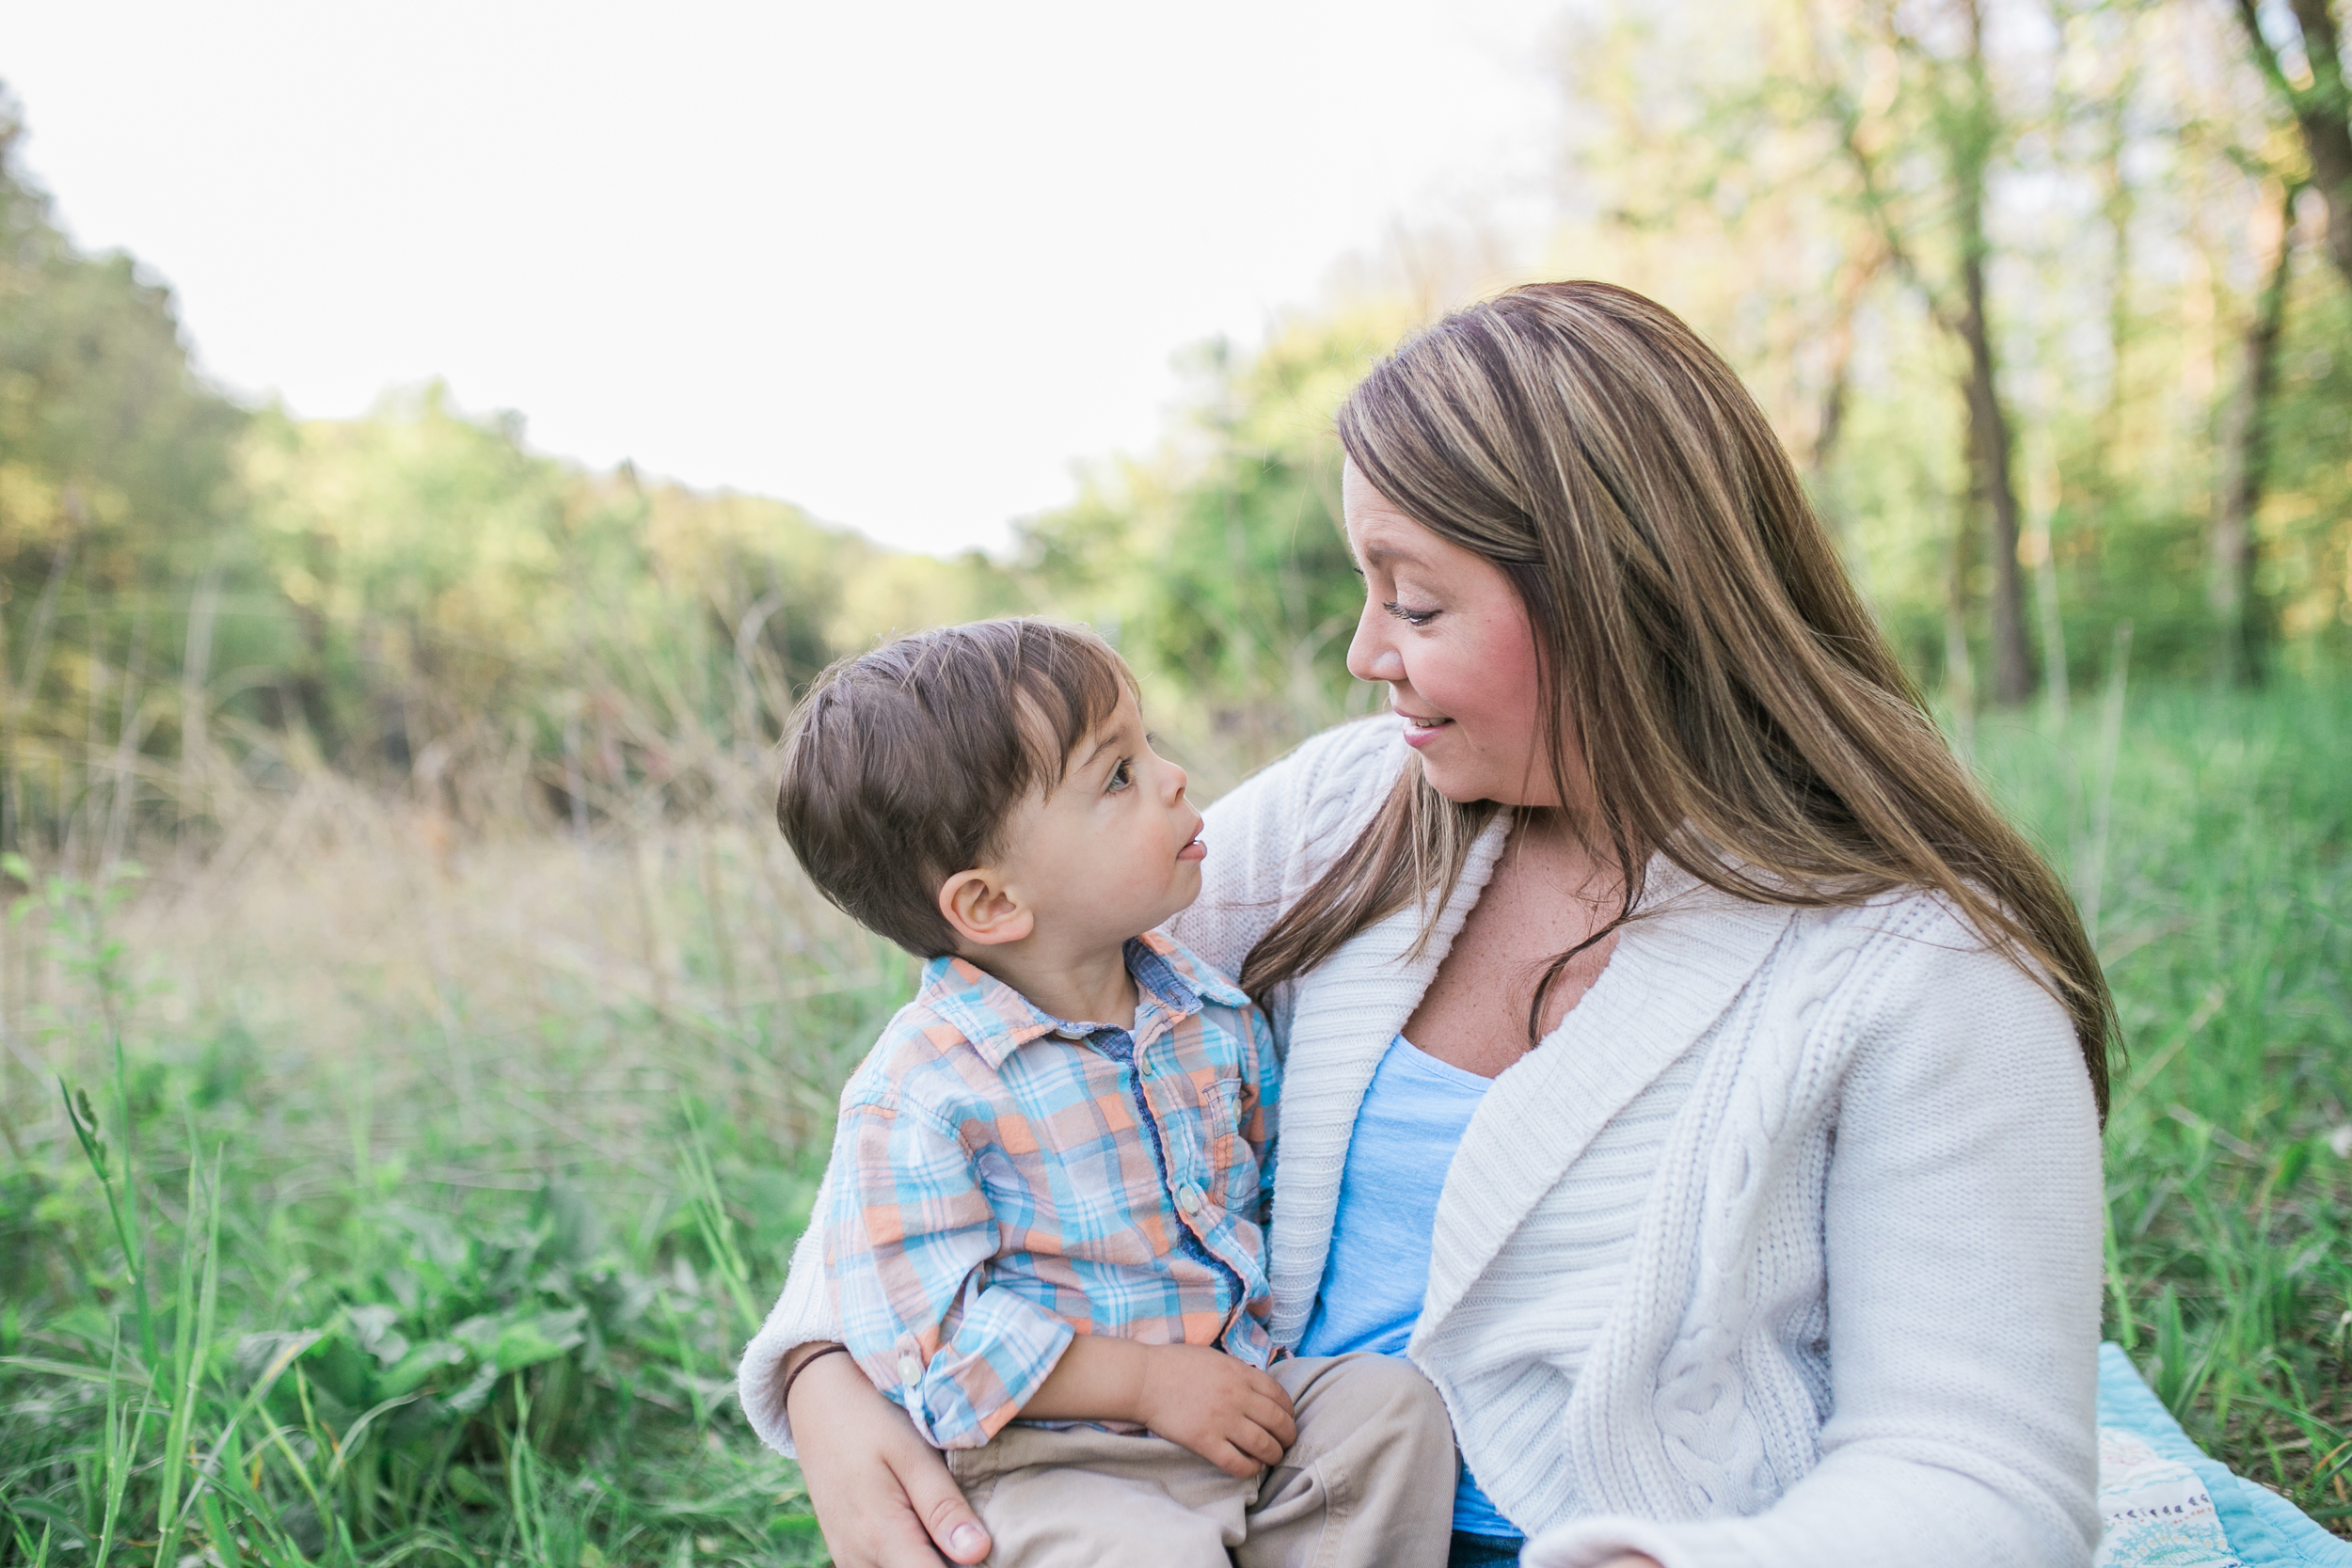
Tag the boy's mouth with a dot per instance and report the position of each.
(1194, 851)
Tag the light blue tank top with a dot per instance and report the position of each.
(1412, 1119)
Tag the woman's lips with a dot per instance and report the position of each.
(1419, 731)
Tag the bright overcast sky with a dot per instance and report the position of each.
(902, 263)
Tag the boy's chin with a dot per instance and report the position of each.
(1185, 893)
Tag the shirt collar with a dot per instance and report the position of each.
(997, 1020)
(1198, 982)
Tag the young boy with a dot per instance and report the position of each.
(1049, 1184)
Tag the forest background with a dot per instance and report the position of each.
(448, 1043)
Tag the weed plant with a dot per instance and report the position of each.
(389, 1201)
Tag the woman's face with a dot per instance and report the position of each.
(1445, 629)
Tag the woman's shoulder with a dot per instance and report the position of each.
(1329, 782)
(1902, 927)
(1912, 964)
(1889, 922)
(1897, 920)
(1906, 959)
(1940, 1038)
(1271, 836)
(1897, 1016)
(1357, 757)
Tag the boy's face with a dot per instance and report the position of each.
(1115, 848)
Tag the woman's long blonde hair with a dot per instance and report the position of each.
(1700, 646)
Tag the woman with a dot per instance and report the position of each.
(1685, 1066)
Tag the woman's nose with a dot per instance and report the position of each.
(1369, 655)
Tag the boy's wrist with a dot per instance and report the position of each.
(1097, 1378)
(1152, 1366)
(796, 1361)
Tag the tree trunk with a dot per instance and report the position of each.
(311, 697)
(1967, 121)
(1996, 487)
(2323, 112)
(1819, 477)
(1853, 281)
(1960, 673)
(2230, 588)
(2118, 208)
(2326, 117)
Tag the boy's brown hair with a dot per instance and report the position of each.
(902, 764)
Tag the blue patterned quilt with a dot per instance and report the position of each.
(2166, 1505)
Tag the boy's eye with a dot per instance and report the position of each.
(1122, 774)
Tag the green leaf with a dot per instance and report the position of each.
(477, 1391)
(420, 1363)
(512, 1341)
(372, 1327)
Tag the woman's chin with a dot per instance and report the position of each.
(1460, 785)
(1467, 786)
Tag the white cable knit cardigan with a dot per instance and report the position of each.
(1859, 1324)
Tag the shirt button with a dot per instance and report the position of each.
(910, 1369)
(1189, 1200)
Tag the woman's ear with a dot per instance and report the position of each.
(976, 906)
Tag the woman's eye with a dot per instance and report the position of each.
(1410, 617)
(1121, 776)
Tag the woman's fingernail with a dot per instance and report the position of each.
(966, 1538)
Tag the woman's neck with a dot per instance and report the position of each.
(1550, 893)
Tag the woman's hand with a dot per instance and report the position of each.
(882, 1495)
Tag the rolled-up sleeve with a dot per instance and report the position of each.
(909, 1232)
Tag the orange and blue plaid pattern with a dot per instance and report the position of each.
(1003, 1179)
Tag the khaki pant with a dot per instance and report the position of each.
(1368, 1484)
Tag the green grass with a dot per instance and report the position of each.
(2224, 917)
(262, 1308)
(464, 1286)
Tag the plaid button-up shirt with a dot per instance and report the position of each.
(1003, 1179)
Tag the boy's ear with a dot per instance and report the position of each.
(978, 910)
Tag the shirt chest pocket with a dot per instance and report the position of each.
(1234, 1166)
(1221, 1109)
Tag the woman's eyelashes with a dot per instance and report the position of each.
(1411, 616)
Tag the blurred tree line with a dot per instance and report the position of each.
(2039, 290)
(2048, 297)
(197, 597)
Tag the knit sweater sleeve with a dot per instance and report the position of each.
(803, 1314)
(1961, 1230)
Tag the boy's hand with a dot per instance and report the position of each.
(1228, 1412)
